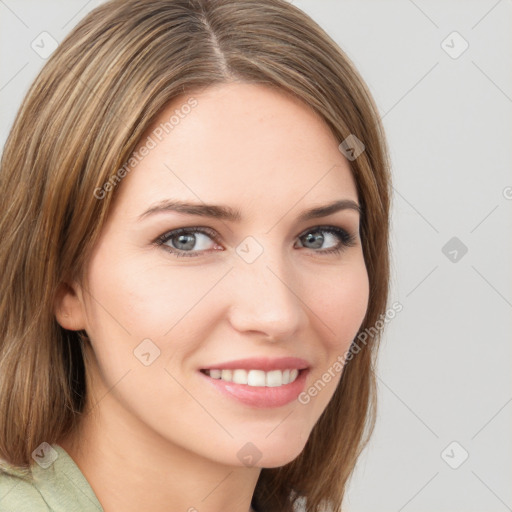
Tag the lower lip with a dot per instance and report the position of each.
(261, 396)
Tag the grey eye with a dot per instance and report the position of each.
(188, 240)
(313, 240)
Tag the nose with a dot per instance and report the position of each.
(266, 299)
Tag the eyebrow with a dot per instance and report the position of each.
(230, 214)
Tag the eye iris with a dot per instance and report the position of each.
(187, 240)
(315, 238)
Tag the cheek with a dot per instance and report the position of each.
(339, 299)
(131, 300)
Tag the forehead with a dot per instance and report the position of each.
(239, 142)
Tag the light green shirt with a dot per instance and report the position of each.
(60, 487)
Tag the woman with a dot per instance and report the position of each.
(195, 234)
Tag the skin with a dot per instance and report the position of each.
(170, 439)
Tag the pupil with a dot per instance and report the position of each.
(187, 241)
(317, 240)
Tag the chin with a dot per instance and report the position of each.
(279, 456)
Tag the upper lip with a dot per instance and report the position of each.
(261, 363)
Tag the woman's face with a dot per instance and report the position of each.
(162, 302)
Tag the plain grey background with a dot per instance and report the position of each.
(441, 74)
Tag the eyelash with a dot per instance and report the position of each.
(346, 239)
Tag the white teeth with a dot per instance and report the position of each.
(274, 378)
(215, 374)
(239, 377)
(226, 375)
(257, 378)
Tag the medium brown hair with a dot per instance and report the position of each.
(80, 122)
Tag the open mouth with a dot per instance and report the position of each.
(256, 378)
(258, 388)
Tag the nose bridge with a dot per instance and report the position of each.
(264, 297)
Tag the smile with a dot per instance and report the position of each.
(255, 378)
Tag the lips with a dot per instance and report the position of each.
(275, 392)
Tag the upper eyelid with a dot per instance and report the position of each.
(214, 232)
(190, 229)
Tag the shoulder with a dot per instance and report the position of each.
(55, 485)
(18, 494)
